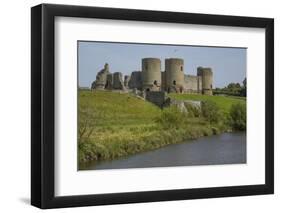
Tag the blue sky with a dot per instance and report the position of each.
(228, 64)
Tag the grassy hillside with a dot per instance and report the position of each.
(112, 125)
(117, 110)
(224, 102)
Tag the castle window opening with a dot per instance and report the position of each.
(147, 90)
(174, 82)
(155, 82)
(181, 68)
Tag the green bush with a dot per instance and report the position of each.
(193, 111)
(237, 116)
(172, 117)
(211, 111)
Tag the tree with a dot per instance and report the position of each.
(245, 82)
(237, 116)
(243, 91)
(233, 86)
(210, 111)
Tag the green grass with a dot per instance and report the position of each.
(224, 102)
(115, 109)
(113, 124)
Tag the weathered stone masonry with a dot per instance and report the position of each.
(151, 78)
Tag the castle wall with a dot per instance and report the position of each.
(118, 81)
(156, 97)
(109, 81)
(151, 78)
(101, 78)
(151, 73)
(126, 80)
(199, 71)
(163, 81)
(199, 84)
(191, 83)
(135, 81)
(100, 83)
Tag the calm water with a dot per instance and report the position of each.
(227, 148)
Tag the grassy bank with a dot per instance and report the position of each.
(113, 125)
(223, 102)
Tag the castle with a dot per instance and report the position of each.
(151, 78)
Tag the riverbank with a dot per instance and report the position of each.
(113, 125)
(225, 148)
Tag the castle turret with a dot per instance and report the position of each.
(151, 74)
(174, 74)
(207, 80)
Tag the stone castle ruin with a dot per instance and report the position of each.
(152, 78)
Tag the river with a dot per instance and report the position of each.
(226, 148)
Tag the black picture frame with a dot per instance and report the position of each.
(43, 105)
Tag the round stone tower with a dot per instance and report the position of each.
(174, 74)
(151, 74)
(207, 80)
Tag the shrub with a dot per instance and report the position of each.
(172, 117)
(210, 111)
(193, 111)
(237, 116)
